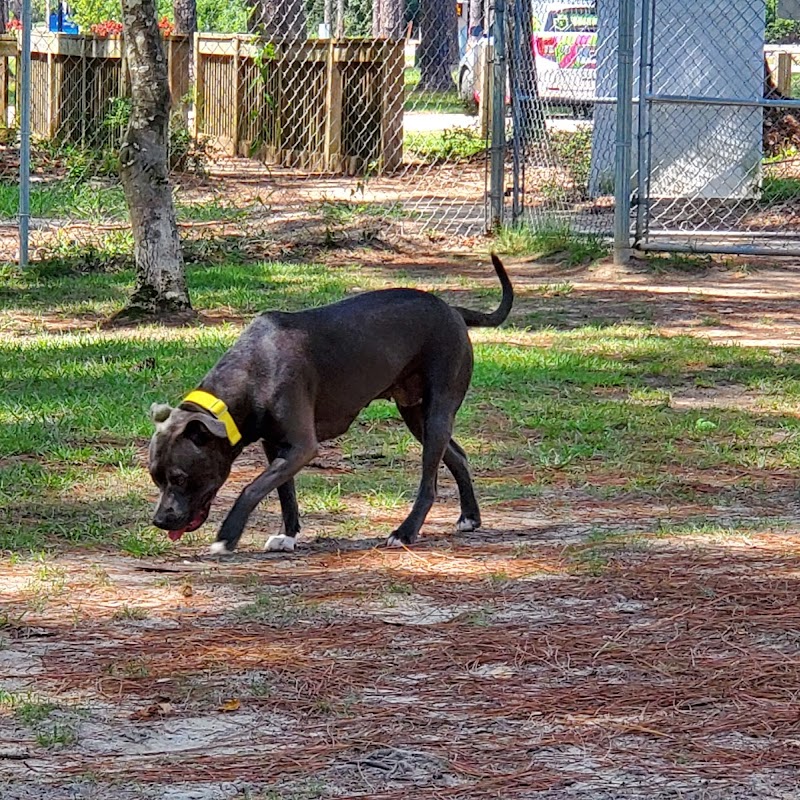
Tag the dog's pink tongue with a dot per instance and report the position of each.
(175, 535)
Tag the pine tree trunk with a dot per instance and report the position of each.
(438, 47)
(185, 12)
(387, 19)
(279, 19)
(160, 277)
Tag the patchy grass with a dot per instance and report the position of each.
(576, 407)
(636, 577)
(775, 189)
(417, 100)
(68, 199)
(343, 212)
(280, 610)
(547, 241)
(437, 147)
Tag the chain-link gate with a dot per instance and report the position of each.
(718, 169)
(562, 79)
(713, 162)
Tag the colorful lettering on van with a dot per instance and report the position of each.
(567, 50)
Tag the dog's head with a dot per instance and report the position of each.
(190, 459)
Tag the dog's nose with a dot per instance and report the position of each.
(164, 517)
(160, 520)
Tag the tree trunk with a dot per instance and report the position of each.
(376, 18)
(387, 19)
(438, 47)
(185, 12)
(340, 19)
(279, 19)
(160, 277)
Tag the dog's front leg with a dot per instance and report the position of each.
(283, 468)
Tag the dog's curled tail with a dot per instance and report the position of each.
(478, 319)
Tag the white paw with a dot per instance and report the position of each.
(394, 541)
(219, 549)
(465, 525)
(279, 543)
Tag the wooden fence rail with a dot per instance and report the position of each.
(317, 105)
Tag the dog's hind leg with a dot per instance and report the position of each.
(437, 426)
(289, 510)
(455, 459)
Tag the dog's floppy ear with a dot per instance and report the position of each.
(160, 413)
(198, 427)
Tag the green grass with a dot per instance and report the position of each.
(550, 240)
(66, 199)
(37, 714)
(417, 100)
(99, 201)
(342, 212)
(438, 147)
(779, 190)
(569, 405)
(280, 610)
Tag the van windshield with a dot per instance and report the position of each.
(571, 20)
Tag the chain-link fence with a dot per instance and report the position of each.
(714, 156)
(289, 116)
(298, 117)
(718, 156)
(562, 75)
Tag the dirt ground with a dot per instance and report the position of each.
(496, 664)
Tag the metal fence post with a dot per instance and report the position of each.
(643, 115)
(25, 134)
(622, 160)
(498, 148)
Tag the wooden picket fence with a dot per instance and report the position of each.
(317, 105)
(75, 78)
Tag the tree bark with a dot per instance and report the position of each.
(185, 12)
(387, 19)
(279, 19)
(160, 276)
(438, 48)
(340, 19)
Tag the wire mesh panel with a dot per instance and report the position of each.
(283, 112)
(9, 149)
(707, 182)
(562, 58)
(80, 108)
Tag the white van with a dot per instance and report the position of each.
(565, 50)
(564, 42)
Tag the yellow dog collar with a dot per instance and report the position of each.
(216, 407)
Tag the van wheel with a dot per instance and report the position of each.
(465, 90)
